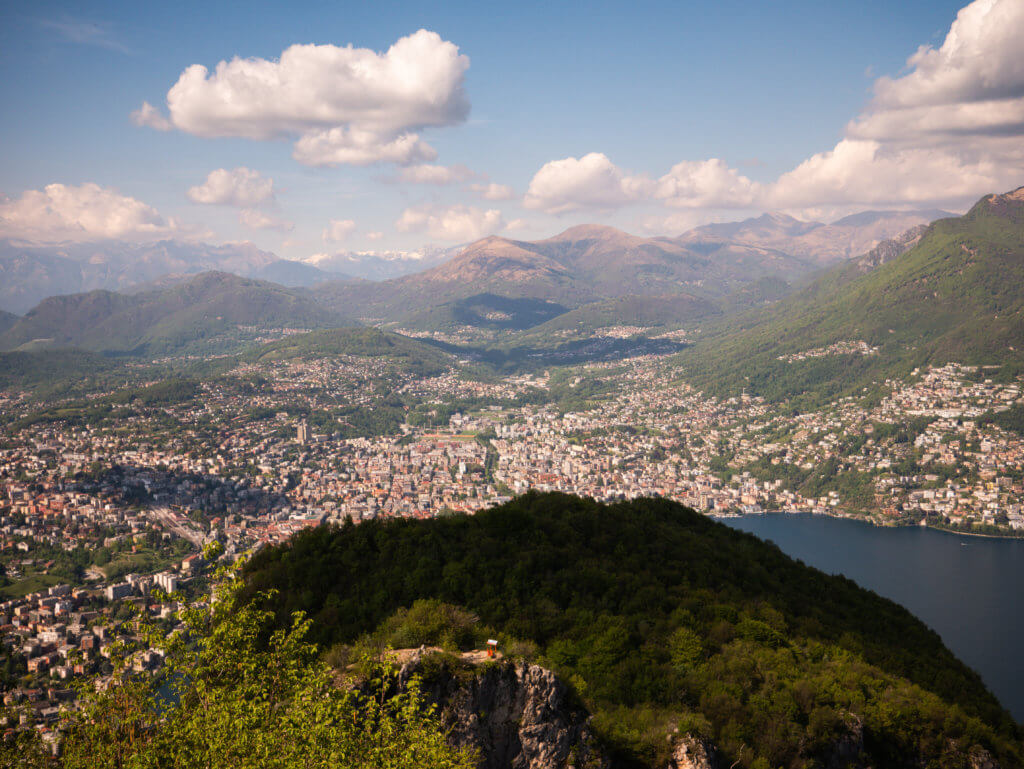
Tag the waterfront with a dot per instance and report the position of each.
(965, 588)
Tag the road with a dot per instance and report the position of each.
(170, 521)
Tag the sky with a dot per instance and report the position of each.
(315, 128)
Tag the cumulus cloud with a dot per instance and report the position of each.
(374, 235)
(944, 133)
(60, 212)
(431, 174)
(595, 182)
(356, 147)
(343, 104)
(706, 184)
(493, 191)
(338, 230)
(240, 187)
(868, 172)
(950, 129)
(148, 115)
(978, 64)
(591, 181)
(259, 220)
(458, 223)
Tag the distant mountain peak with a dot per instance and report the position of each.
(589, 231)
(776, 216)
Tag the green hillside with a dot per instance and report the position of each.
(55, 371)
(956, 296)
(488, 311)
(659, 618)
(209, 308)
(406, 354)
(631, 311)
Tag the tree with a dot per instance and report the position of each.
(235, 693)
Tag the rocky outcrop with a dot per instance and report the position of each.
(888, 250)
(691, 752)
(979, 758)
(516, 715)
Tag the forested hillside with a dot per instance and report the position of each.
(955, 296)
(660, 618)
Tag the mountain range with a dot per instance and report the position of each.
(583, 264)
(948, 292)
(822, 244)
(594, 263)
(30, 273)
(575, 283)
(382, 265)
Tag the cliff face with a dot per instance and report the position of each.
(517, 716)
(521, 716)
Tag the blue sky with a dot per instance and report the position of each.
(761, 87)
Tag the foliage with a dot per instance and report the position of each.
(1012, 419)
(236, 692)
(203, 313)
(406, 354)
(432, 623)
(648, 607)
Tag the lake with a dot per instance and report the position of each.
(970, 590)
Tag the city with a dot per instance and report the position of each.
(96, 518)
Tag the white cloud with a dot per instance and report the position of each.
(948, 131)
(706, 184)
(429, 174)
(338, 230)
(148, 115)
(458, 223)
(356, 147)
(62, 212)
(979, 61)
(240, 187)
(493, 191)
(591, 181)
(375, 235)
(344, 104)
(258, 220)
(869, 173)
(595, 182)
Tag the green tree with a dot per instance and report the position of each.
(235, 693)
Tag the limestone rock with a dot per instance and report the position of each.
(516, 715)
(691, 752)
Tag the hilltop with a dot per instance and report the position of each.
(406, 354)
(954, 295)
(659, 618)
